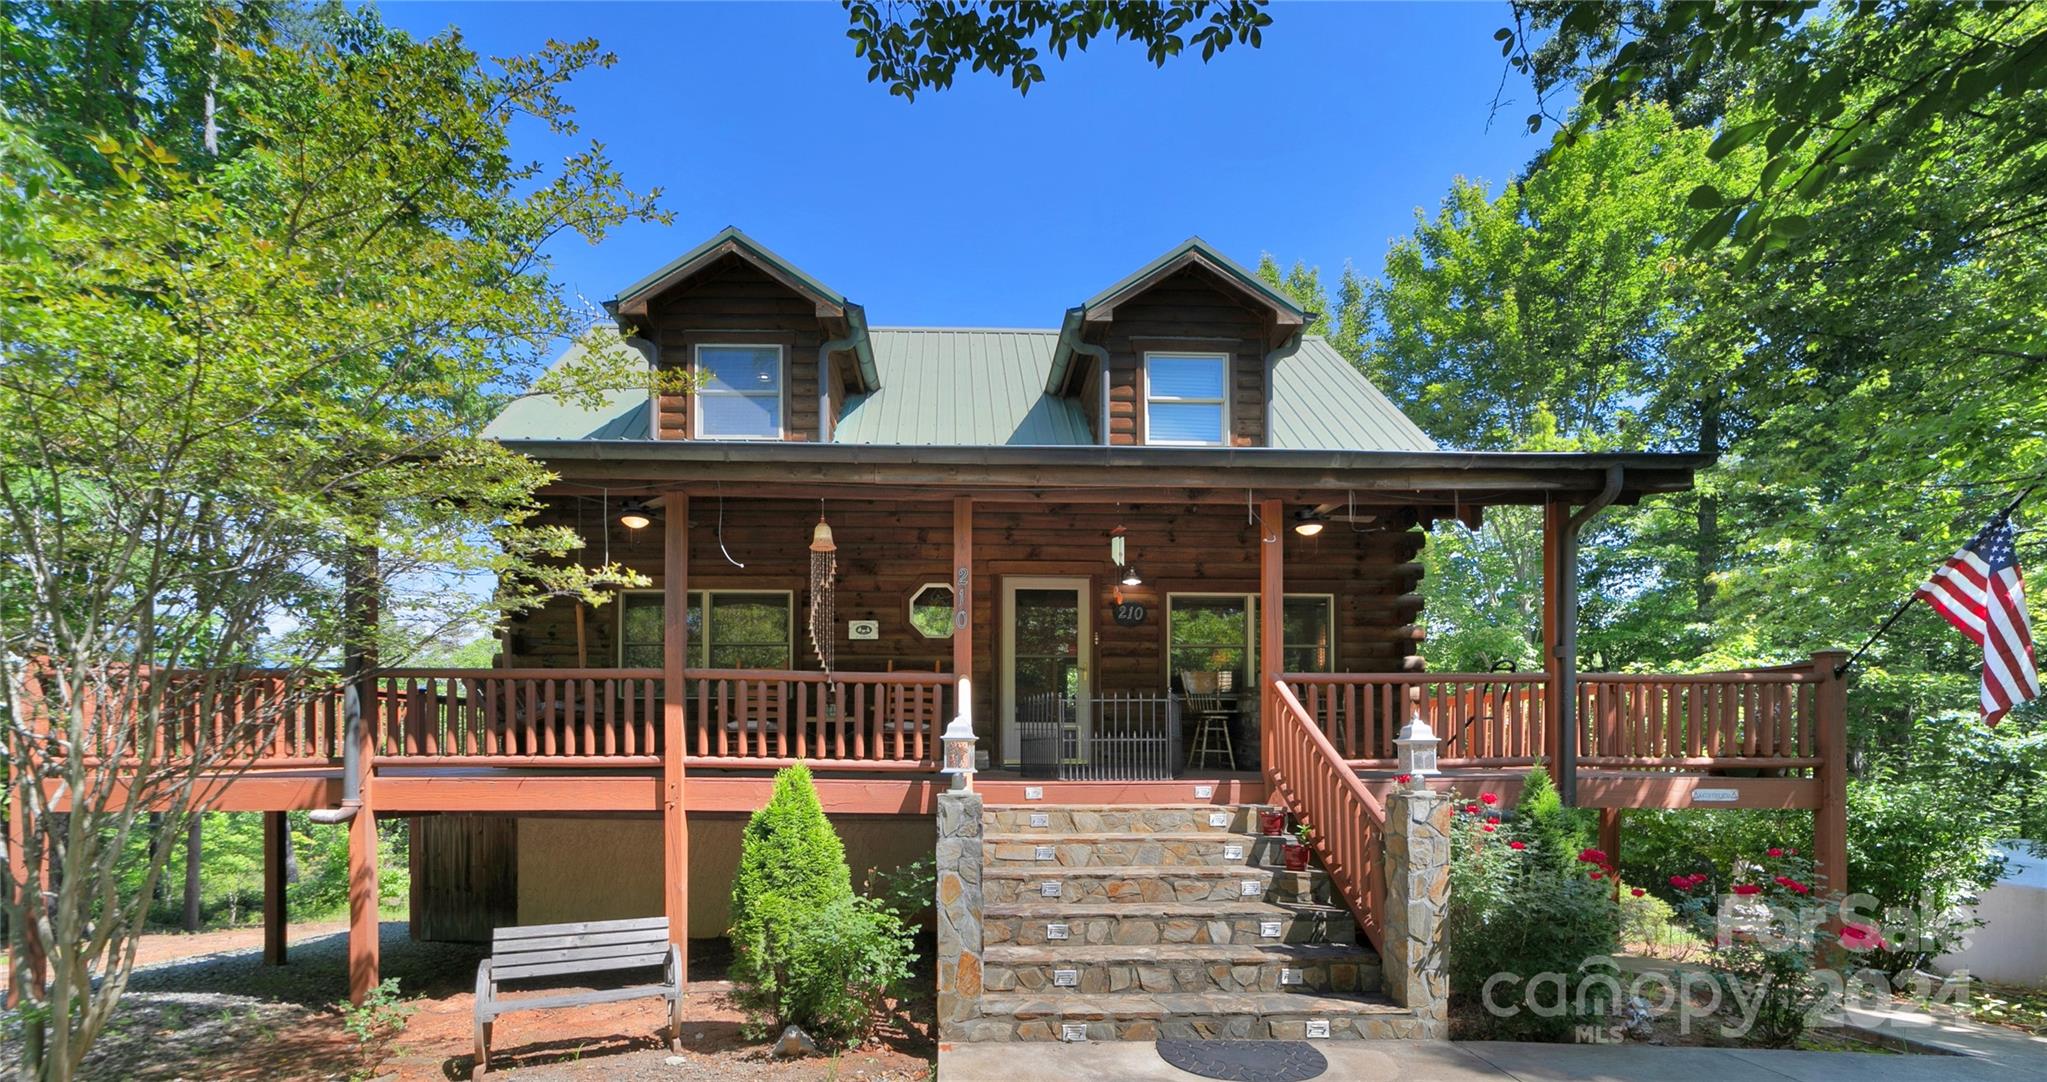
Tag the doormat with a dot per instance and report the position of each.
(1246, 1061)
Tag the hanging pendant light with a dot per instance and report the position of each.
(1307, 523)
(1131, 577)
(635, 515)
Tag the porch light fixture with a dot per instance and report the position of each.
(635, 515)
(1415, 749)
(958, 740)
(1307, 523)
(1131, 577)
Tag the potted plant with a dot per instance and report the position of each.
(1272, 822)
(1295, 853)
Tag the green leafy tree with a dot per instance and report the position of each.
(229, 367)
(920, 45)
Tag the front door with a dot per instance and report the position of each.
(1044, 652)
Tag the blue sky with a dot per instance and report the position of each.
(975, 207)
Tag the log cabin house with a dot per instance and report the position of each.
(1163, 554)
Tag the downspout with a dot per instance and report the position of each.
(1286, 349)
(1567, 638)
(856, 333)
(1069, 339)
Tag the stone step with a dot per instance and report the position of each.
(1093, 969)
(1287, 1016)
(1120, 818)
(1034, 922)
(1015, 884)
(1079, 850)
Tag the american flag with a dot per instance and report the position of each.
(1982, 593)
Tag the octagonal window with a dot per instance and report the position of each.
(931, 610)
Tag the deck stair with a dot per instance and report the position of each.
(1165, 921)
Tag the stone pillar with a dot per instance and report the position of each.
(959, 913)
(1417, 893)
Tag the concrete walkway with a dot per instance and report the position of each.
(1483, 1061)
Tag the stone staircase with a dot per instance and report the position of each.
(1175, 921)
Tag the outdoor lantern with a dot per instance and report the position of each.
(634, 515)
(1307, 523)
(958, 741)
(1416, 751)
(1131, 577)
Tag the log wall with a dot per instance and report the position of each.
(886, 551)
(733, 301)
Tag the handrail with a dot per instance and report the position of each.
(1304, 770)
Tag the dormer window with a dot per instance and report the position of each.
(739, 396)
(1186, 398)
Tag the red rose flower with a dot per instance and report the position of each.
(1489, 798)
(1682, 882)
(1638, 892)
(1592, 856)
(1517, 845)
(1489, 828)
(1471, 808)
(1746, 889)
(1860, 937)
(1792, 885)
(1698, 878)
(1403, 778)
(1492, 818)
(1775, 852)
(1596, 875)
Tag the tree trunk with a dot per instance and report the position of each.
(1709, 509)
(192, 873)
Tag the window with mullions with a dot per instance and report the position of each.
(745, 630)
(1219, 633)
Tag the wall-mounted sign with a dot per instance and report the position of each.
(1715, 796)
(863, 630)
(1132, 614)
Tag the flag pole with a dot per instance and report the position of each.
(1914, 596)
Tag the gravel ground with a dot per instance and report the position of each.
(222, 1015)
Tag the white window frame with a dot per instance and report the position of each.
(703, 642)
(1250, 601)
(702, 390)
(1223, 404)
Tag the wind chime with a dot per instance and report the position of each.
(824, 573)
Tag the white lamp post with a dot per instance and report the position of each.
(1416, 750)
(958, 741)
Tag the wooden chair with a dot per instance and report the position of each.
(542, 951)
(1212, 712)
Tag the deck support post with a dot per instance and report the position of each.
(674, 655)
(274, 827)
(359, 699)
(1830, 820)
(1271, 603)
(1555, 514)
(1610, 842)
(963, 601)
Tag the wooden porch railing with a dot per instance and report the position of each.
(1309, 775)
(738, 718)
(1752, 718)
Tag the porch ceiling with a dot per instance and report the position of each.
(1212, 475)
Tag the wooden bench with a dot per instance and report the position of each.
(545, 951)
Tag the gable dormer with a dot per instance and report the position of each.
(1179, 353)
(774, 351)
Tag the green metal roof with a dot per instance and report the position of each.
(1208, 252)
(1320, 401)
(624, 415)
(752, 247)
(965, 387)
(975, 387)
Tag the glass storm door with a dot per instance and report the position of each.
(1044, 652)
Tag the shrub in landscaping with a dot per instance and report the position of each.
(1924, 850)
(805, 950)
(1762, 939)
(1658, 844)
(1517, 906)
